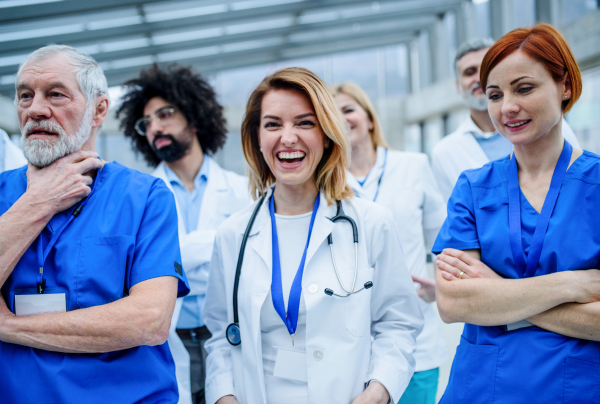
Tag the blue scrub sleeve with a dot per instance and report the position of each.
(157, 242)
(459, 230)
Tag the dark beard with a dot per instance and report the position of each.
(171, 152)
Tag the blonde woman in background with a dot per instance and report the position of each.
(404, 183)
(293, 342)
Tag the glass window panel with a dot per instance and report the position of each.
(412, 138)
(359, 67)
(396, 70)
(483, 27)
(584, 117)
(524, 13)
(574, 9)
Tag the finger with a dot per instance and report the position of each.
(87, 180)
(461, 255)
(445, 268)
(417, 279)
(88, 164)
(448, 276)
(455, 262)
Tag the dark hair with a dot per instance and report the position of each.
(187, 91)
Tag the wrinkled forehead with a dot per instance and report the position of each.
(49, 70)
(471, 59)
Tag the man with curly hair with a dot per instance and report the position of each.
(174, 120)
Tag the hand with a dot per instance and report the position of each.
(451, 262)
(63, 183)
(427, 291)
(227, 400)
(376, 393)
(585, 285)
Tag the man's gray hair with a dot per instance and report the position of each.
(472, 45)
(90, 77)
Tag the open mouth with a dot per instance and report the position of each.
(518, 124)
(41, 132)
(291, 157)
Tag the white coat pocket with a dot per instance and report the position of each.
(358, 305)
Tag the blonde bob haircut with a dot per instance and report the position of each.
(331, 171)
(355, 92)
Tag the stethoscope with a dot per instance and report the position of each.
(233, 330)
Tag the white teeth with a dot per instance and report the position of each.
(514, 125)
(290, 155)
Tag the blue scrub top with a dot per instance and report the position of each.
(528, 365)
(125, 234)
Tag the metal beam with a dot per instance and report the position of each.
(406, 24)
(65, 8)
(249, 58)
(411, 8)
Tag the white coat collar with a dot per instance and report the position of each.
(217, 182)
(469, 126)
(13, 156)
(373, 174)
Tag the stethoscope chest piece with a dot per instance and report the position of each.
(233, 334)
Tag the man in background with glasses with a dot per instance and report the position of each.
(175, 122)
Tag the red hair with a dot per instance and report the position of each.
(543, 43)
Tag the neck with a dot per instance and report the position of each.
(187, 167)
(541, 155)
(482, 120)
(293, 200)
(364, 157)
(90, 145)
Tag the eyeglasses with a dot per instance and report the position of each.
(163, 116)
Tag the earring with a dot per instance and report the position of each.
(566, 97)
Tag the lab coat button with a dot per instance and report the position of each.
(318, 354)
(313, 288)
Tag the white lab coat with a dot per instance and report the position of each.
(409, 190)
(349, 341)
(13, 156)
(460, 151)
(225, 194)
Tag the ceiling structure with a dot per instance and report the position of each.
(125, 36)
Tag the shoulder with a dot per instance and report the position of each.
(236, 223)
(490, 175)
(132, 182)
(13, 184)
(369, 213)
(448, 143)
(587, 167)
(236, 183)
(407, 157)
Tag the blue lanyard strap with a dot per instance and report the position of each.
(527, 269)
(43, 253)
(361, 183)
(291, 319)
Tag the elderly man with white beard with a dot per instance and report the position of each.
(89, 252)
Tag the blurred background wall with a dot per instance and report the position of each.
(400, 51)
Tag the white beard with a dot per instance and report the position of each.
(473, 101)
(41, 153)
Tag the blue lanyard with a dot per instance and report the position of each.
(291, 319)
(361, 183)
(43, 254)
(528, 269)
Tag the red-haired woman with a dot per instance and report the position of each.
(521, 236)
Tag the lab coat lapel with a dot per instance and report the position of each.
(215, 187)
(321, 229)
(162, 174)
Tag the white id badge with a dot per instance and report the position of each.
(517, 325)
(40, 303)
(291, 364)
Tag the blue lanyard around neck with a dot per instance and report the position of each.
(528, 269)
(291, 319)
(361, 183)
(43, 253)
